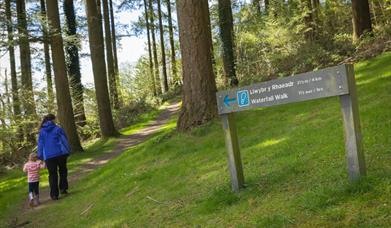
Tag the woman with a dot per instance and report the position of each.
(53, 148)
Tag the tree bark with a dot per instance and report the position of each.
(266, 3)
(95, 35)
(64, 103)
(73, 64)
(257, 5)
(109, 56)
(154, 50)
(199, 86)
(7, 93)
(163, 49)
(115, 55)
(149, 48)
(99, 7)
(11, 50)
(172, 45)
(308, 20)
(227, 39)
(315, 15)
(114, 40)
(25, 60)
(48, 68)
(361, 18)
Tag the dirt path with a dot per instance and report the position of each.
(127, 141)
(123, 143)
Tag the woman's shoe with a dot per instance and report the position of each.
(37, 202)
(31, 203)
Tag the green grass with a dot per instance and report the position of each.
(145, 119)
(13, 185)
(294, 164)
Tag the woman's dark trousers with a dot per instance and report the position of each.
(57, 167)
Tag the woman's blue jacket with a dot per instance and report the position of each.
(52, 141)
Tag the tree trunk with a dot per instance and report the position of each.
(64, 103)
(163, 50)
(3, 111)
(154, 50)
(109, 56)
(266, 4)
(114, 41)
(199, 86)
(308, 20)
(95, 35)
(315, 17)
(172, 45)
(7, 93)
(257, 5)
(361, 18)
(99, 8)
(14, 81)
(25, 60)
(73, 64)
(149, 49)
(48, 68)
(115, 55)
(227, 39)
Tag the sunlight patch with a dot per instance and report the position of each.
(370, 80)
(270, 142)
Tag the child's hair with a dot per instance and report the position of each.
(33, 157)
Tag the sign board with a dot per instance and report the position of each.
(323, 83)
(333, 81)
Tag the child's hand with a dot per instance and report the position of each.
(42, 164)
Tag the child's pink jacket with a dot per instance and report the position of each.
(32, 169)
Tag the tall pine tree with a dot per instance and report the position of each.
(48, 67)
(361, 18)
(110, 57)
(11, 51)
(154, 49)
(96, 42)
(25, 60)
(73, 63)
(64, 102)
(199, 86)
(227, 39)
(151, 72)
(162, 49)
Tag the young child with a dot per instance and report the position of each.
(32, 168)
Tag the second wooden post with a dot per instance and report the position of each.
(232, 145)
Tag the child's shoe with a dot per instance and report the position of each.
(31, 199)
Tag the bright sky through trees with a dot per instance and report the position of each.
(130, 49)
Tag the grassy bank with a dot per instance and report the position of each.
(294, 164)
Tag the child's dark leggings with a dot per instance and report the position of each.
(57, 167)
(34, 187)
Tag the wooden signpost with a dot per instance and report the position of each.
(333, 81)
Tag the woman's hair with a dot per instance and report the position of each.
(33, 157)
(48, 117)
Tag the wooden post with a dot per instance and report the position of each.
(232, 145)
(353, 137)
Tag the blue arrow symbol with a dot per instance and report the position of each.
(228, 100)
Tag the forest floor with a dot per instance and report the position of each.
(294, 165)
